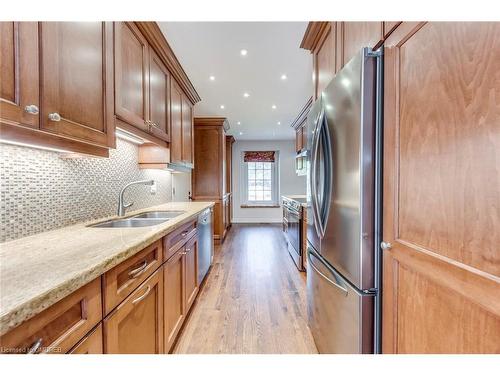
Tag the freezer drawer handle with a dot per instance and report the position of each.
(324, 276)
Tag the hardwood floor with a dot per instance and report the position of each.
(253, 300)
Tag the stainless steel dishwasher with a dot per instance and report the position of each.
(205, 243)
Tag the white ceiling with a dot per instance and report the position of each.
(207, 49)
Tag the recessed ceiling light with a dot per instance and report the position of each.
(222, 106)
(239, 122)
(243, 52)
(241, 133)
(273, 106)
(279, 122)
(246, 94)
(283, 76)
(212, 78)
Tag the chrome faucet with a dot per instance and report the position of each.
(121, 205)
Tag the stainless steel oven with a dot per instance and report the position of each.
(292, 224)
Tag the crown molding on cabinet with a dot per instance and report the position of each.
(157, 40)
(313, 34)
(212, 121)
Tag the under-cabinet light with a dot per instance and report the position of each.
(14, 143)
(122, 134)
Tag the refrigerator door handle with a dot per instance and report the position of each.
(314, 156)
(329, 280)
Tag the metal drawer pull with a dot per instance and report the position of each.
(326, 278)
(188, 250)
(54, 117)
(36, 345)
(31, 109)
(139, 299)
(185, 233)
(138, 270)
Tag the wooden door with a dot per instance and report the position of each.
(191, 271)
(441, 285)
(159, 91)
(131, 75)
(174, 292)
(352, 36)
(136, 325)
(76, 68)
(90, 344)
(187, 130)
(19, 77)
(175, 122)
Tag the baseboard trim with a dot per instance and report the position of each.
(257, 220)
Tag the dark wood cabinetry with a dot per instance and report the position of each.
(209, 178)
(159, 97)
(191, 285)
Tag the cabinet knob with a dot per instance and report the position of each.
(31, 109)
(385, 245)
(54, 116)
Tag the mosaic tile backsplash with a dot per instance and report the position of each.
(39, 191)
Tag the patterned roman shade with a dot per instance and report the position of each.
(259, 156)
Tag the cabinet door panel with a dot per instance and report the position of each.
(131, 75)
(136, 325)
(159, 91)
(325, 60)
(174, 275)
(440, 284)
(191, 271)
(76, 71)
(19, 77)
(175, 122)
(187, 130)
(91, 344)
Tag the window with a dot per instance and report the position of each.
(260, 186)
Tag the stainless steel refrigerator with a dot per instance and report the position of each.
(344, 198)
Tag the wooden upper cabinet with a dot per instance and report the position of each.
(441, 292)
(175, 123)
(352, 36)
(187, 131)
(324, 58)
(136, 325)
(159, 92)
(19, 77)
(131, 75)
(76, 65)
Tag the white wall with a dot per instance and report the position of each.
(290, 183)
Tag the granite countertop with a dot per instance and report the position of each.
(39, 270)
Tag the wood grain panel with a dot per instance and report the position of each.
(325, 61)
(441, 285)
(175, 307)
(191, 284)
(208, 175)
(136, 325)
(187, 130)
(159, 100)
(19, 74)
(76, 80)
(449, 119)
(91, 344)
(131, 71)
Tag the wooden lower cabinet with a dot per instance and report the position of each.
(58, 328)
(191, 262)
(90, 344)
(136, 325)
(174, 291)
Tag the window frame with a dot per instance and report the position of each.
(275, 186)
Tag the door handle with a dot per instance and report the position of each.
(54, 117)
(326, 278)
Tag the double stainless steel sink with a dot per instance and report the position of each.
(146, 219)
